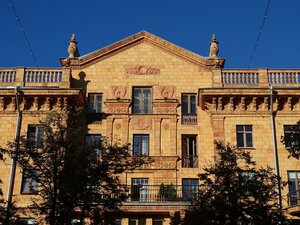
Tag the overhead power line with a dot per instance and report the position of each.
(12, 6)
(259, 34)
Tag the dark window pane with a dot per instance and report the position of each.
(185, 104)
(95, 103)
(239, 128)
(193, 104)
(240, 140)
(248, 128)
(157, 222)
(249, 140)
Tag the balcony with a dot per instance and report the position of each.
(35, 77)
(189, 119)
(260, 77)
(163, 194)
(190, 161)
(294, 203)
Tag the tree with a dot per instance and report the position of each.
(292, 140)
(75, 180)
(2, 202)
(233, 191)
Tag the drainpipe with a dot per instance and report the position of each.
(276, 161)
(14, 158)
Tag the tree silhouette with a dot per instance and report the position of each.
(75, 180)
(233, 191)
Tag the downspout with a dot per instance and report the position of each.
(14, 157)
(276, 161)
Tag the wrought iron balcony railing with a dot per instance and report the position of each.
(161, 193)
(294, 198)
(190, 161)
(189, 119)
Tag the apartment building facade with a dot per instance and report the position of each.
(170, 104)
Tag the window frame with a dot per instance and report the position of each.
(93, 142)
(36, 138)
(287, 130)
(187, 194)
(94, 110)
(139, 191)
(144, 110)
(244, 133)
(189, 160)
(141, 136)
(137, 221)
(29, 186)
(294, 198)
(20, 221)
(189, 103)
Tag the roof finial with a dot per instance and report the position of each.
(72, 49)
(214, 47)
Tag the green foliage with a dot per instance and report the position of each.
(167, 192)
(73, 177)
(2, 202)
(233, 191)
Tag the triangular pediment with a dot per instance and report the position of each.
(138, 38)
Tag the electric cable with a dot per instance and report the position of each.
(12, 6)
(259, 33)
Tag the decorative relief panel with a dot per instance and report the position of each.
(165, 92)
(141, 124)
(142, 69)
(165, 107)
(118, 92)
(117, 107)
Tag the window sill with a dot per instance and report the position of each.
(29, 193)
(247, 148)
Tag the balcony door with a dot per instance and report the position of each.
(294, 187)
(189, 151)
(139, 189)
(189, 188)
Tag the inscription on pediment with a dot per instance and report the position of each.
(142, 69)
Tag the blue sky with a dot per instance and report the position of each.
(189, 24)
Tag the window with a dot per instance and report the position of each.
(29, 184)
(291, 136)
(140, 221)
(188, 103)
(75, 222)
(95, 103)
(140, 144)
(189, 151)
(246, 182)
(188, 109)
(26, 221)
(139, 189)
(92, 139)
(158, 221)
(294, 187)
(141, 100)
(244, 136)
(189, 188)
(35, 133)
(117, 222)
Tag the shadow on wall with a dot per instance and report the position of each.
(80, 83)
